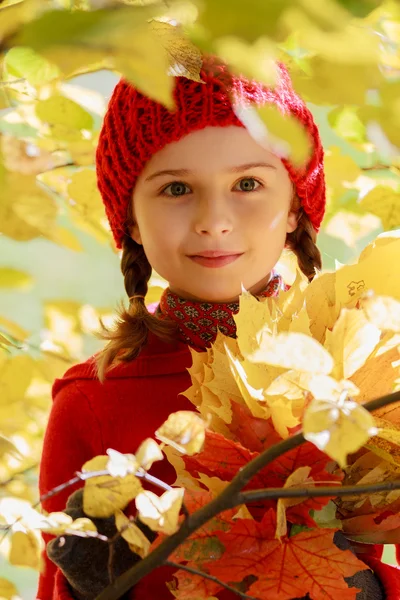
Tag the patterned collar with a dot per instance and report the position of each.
(198, 322)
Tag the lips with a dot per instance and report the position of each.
(216, 253)
(215, 258)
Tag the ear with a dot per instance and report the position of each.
(292, 221)
(135, 233)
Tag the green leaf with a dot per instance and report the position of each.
(295, 529)
(26, 63)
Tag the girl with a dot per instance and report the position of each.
(191, 194)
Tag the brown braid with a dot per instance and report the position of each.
(302, 242)
(130, 333)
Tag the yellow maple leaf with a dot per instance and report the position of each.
(138, 542)
(160, 513)
(376, 378)
(103, 495)
(289, 303)
(148, 453)
(353, 339)
(252, 318)
(292, 351)
(26, 549)
(374, 271)
(183, 478)
(183, 430)
(338, 428)
(321, 305)
(58, 523)
(298, 478)
(279, 408)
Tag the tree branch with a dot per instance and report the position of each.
(228, 498)
(210, 577)
(316, 492)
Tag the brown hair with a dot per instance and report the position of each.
(130, 333)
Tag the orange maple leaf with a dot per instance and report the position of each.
(224, 458)
(291, 567)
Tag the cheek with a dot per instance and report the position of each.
(269, 218)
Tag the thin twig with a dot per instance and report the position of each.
(228, 498)
(18, 474)
(210, 577)
(316, 492)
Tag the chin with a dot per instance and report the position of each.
(219, 296)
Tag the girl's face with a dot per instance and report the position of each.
(214, 192)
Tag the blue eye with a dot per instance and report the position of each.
(248, 184)
(177, 188)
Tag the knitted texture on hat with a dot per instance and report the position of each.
(135, 127)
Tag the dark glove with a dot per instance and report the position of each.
(84, 561)
(366, 581)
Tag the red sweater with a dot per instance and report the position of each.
(88, 417)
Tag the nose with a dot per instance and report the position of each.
(213, 216)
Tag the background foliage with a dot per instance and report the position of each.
(60, 59)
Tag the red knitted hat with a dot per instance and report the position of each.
(135, 127)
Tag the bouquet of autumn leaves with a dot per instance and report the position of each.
(278, 418)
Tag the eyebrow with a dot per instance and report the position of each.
(237, 169)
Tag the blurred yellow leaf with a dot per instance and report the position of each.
(119, 465)
(320, 84)
(26, 549)
(8, 591)
(26, 212)
(338, 428)
(382, 311)
(12, 278)
(383, 202)
(287, 129)
(63, 115)
(138, 542)
(7, 447)
(23, 62)
(84, 194)
(183, 430)
(353, 339)
(103, 495)
(256, 60)
(13, 329)
(160, 513)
